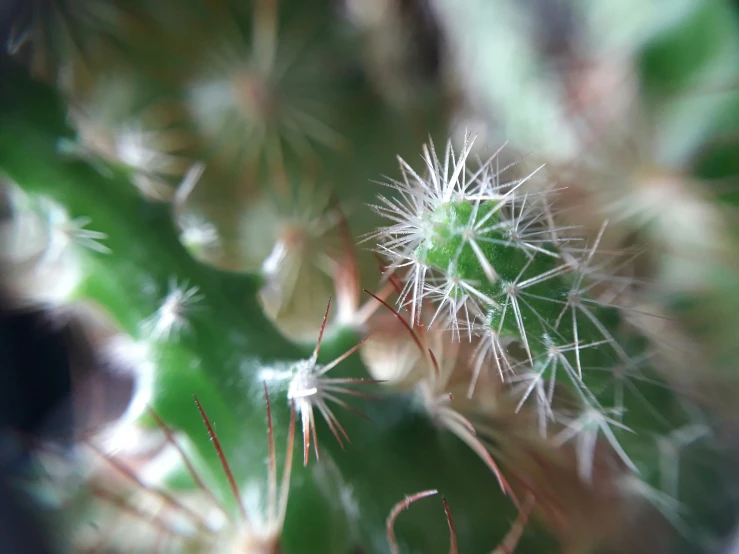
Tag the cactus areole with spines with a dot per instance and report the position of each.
(489, 259)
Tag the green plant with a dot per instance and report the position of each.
(181, 190)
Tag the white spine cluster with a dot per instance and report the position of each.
(503, 214)
(172, 316)
(413, 215)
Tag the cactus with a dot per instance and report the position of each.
(488, 257)
(161, 332)
(185, 193)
